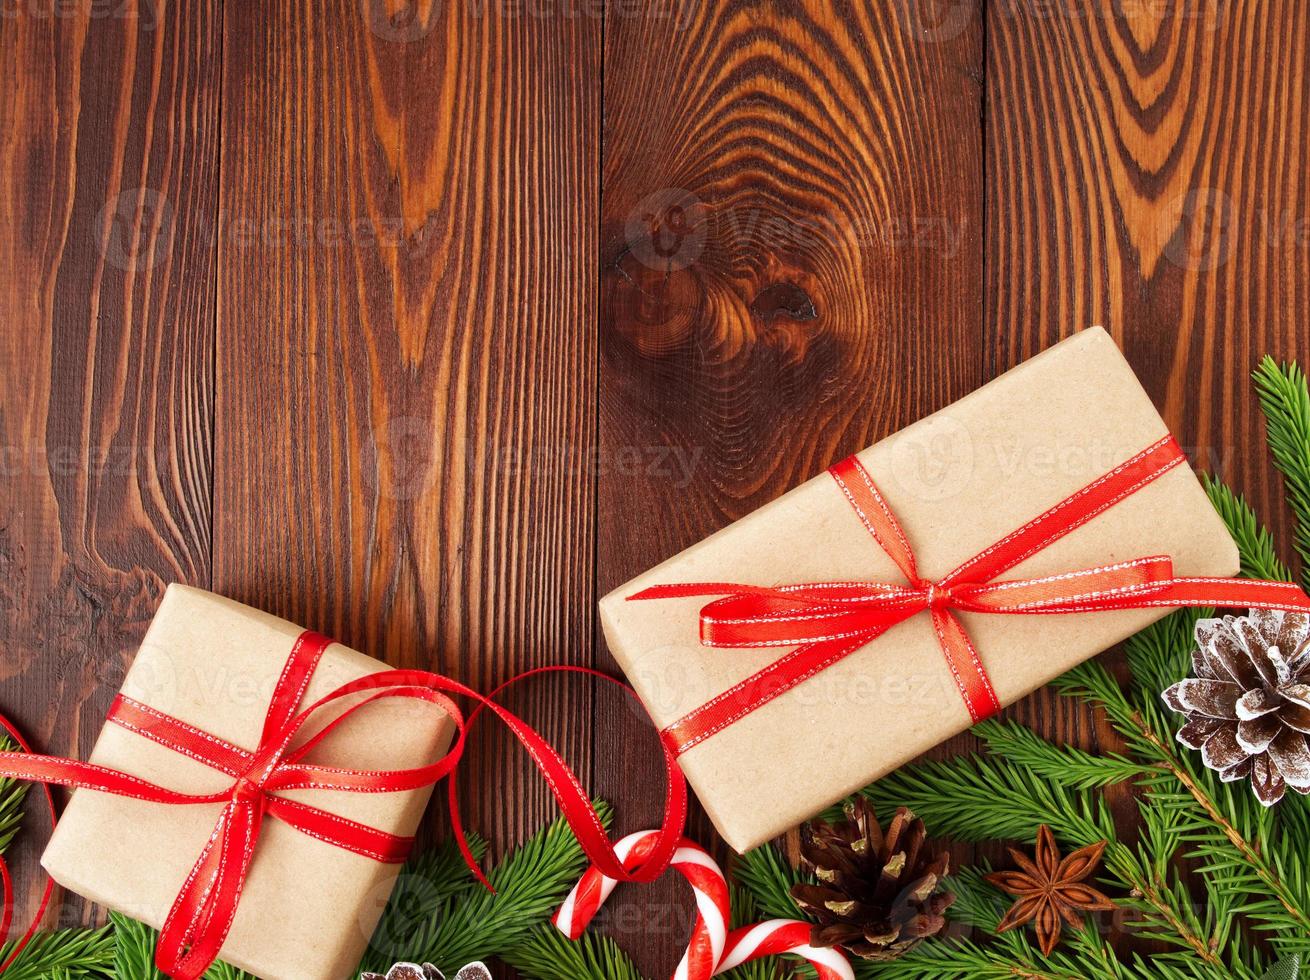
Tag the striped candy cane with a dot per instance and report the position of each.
(778, 936)
(709, 934)
(711, 950)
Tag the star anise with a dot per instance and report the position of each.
(1048, 889)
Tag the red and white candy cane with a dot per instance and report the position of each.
(779, 936)
(712, 949)
(709, 934)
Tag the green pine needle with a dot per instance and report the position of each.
(428, 882)
(134, 954)
(1068, 766)
(766, 876)
(1255, 543)
(1196, 835)
(65, 954)
(1285, 400)
(13, 794)
(547, 954)
(530, 883)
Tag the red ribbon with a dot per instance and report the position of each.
(7, 916)
(827, 622)
(199, 921)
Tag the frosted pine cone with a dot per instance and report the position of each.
(412, 971)
(1248, 707)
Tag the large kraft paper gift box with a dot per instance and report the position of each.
(308, 908)
(958, 481)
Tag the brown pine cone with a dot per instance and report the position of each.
(877, 895)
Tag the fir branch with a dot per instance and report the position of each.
(134, 949)
(1225, 827)
(547, 954)
(956, 956)
(965, 960)
(978, 798)
(13, 794)
(529, 884)
(65, 953)
(427, 883)
(1285, 400)
(1070, 767)
(971, 798)
(1255, 542)
(767, 878)
(134, 946)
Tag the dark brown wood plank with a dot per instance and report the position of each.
(1148, 170)
(108, 187)
(406, 397)
(791, 269)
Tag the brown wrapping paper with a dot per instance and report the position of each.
(958, 480)
(308, 908)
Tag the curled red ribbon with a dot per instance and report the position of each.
(198, 923)
(827, 622)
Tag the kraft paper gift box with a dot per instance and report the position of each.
(308, 907)
(958, 481)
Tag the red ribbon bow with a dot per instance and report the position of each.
(827, 622)
(199, 921)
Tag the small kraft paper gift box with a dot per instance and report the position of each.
(307, 907)
(863, 618)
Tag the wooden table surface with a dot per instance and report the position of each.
(426, 325)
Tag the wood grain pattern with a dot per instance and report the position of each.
(323, 304)
(108, 183)
(406, 351)
(1150, 172)
(791, 269)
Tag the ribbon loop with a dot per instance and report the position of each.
(202, 915)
